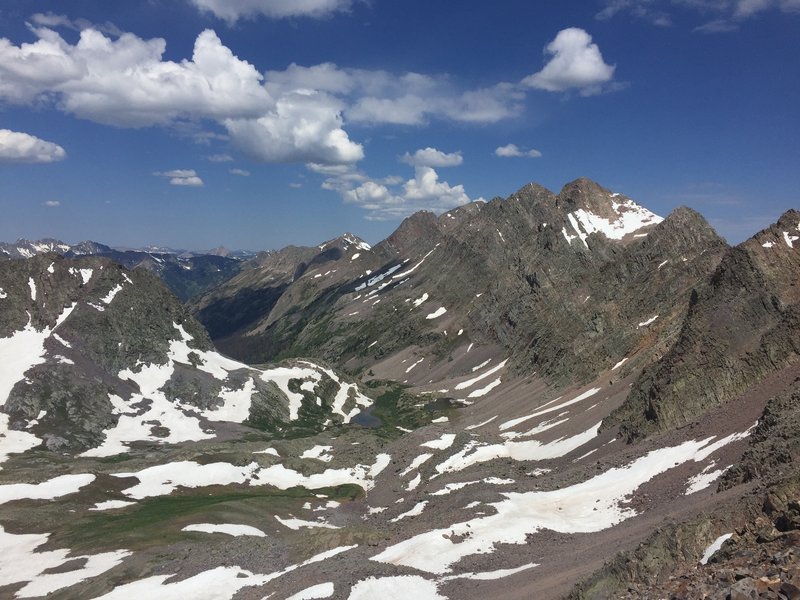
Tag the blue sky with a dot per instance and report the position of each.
(260, 123)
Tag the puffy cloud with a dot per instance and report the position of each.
(233, 10)
(125, 82)
(303, 127)
(239, 172)
(187, 177)
(576, 63)
(512, 151)
(51, 203)
(431, 157)
(220, 158)
(393, 198)
(18, 147)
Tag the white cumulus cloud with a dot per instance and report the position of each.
(233, 10)
(239, 172)
(393, 198)
(305, 126)
(576, 63)
(18, 147)
(431, 157)
(187, 177)
(126, 82)
(514, 151)
(51, 203)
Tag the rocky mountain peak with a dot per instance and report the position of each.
(592, 208)
(688, 228)
(415, 231)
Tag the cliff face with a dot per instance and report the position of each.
(743, 326)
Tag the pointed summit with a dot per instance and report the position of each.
(594, 209)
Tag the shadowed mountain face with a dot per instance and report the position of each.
(741, 327)
(561, 282)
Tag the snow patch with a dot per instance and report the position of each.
(437, 313)
(714, 547)
(587, 507)
(647, 322)
(228, 529)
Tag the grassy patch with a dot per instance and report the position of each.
(157, 521)
(396, 407)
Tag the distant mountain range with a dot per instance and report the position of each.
(540, 396)
(186, 273)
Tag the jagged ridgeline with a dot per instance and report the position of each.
(742, 326)
(97, 357)
(567, 284)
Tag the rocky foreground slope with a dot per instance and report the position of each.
(550, 395)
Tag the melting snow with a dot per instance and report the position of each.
(586, 507)
(20, 562)
(218, 583)
(421, 299)
(619, 364)
(646, 323)
(714, 547)
(162, 480)
(631, 217)
(414, 512)
(415, 464)
(474, 452)
(470, 382)
(703, 479)
(483, 364)
(32, 285)
(110, 296)
(485, 390)
(296, 524)
(319, 453)
(86, 274)
(111, 504)
(437, 313)
(47, 490)
(486, 422)
(271, 451)
(229, 529)
(491, 575)
(414, 268)
(549, 409)
(398, 587)
(315, 592)
(3, 294)
(443, 443)
(377, 279)
(18, 353)
(408, 370)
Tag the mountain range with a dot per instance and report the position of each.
(545, 395)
